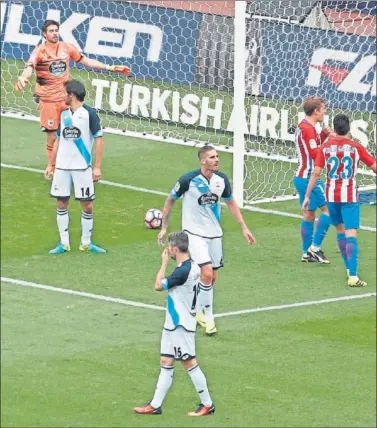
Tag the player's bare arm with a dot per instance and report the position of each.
(312, 182)
(236, 213)
(98, 159)
(98, 65)
(165, 219)
(161, 273)
(50, 167)
(24, 79)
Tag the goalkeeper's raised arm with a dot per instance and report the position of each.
(93, 63)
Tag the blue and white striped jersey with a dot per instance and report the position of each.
(183, 288)
(76, 133)
(201, 208)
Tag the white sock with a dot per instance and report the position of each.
(205, 297)
(315, 248)
(200, 383)
(163, 384)
(62, 218)
(86, 227)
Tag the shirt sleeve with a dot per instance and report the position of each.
(33, 59)
(365, 156)
(74, 53)
(178, 277)
(320, 159)
(181, 186)
(227, 192)
(95, 124)
(309, 135)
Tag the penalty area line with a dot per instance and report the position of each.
(157, 192)
(160, 308)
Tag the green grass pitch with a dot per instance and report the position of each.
(74, 361)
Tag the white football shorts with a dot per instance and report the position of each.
(82, 181)
(206, 250)
(178, 344)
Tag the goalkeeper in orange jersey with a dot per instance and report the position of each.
(50, 60)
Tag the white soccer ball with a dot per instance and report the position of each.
(153, 219)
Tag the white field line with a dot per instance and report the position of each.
(160, 308)
(82, 294)
(157, 192)
(295, 305)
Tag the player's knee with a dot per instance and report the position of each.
(324, 209)
(351, 233)
(87, 206)
(188, 364)
(50, 137)
(309, 215)
(62, 204)
(340, 228)
(166, 361)
(207, 274)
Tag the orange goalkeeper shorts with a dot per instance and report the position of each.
(49, 113)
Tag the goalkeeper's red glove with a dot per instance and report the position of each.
(21, 83)
(119, 69)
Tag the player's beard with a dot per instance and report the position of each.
(54, 40)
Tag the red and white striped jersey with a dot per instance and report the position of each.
(340, 156)
(307, 143)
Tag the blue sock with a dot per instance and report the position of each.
(323, 225)
(352, 255)
(307, 228)
(342, 245)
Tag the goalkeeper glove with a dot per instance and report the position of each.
(21, 83)
(119, 69)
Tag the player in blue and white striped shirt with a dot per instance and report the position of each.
(178, 336)
(202, 191)
(79, 128)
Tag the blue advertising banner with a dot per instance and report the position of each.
(157, 43)
(299, 62)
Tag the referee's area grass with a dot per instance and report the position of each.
(73, 361)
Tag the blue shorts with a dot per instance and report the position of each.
(317, 197)
(347, 213)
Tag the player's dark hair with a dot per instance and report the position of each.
(341, 124)
(48, 23)
(76, 88)
(179, 240)
(312, 104)
(204, 149)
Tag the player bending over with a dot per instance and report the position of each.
(50, 60)
(178, 335)
(79, 127)
(340, 156)
(202, 190)
(307, 144)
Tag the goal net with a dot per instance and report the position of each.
(185, 88)
(297, 49)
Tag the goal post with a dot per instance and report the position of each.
(239, 101)
(232, 74)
